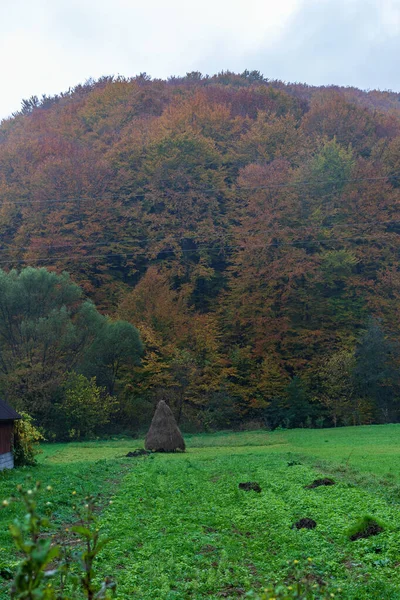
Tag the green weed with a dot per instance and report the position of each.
(180, 528)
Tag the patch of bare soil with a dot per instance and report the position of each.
(305, 524)
(138, 452)
(250, 485)
(318, 482)
(372, 529)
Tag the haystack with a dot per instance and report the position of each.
(164, 434)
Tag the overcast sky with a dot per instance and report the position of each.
(47, 46)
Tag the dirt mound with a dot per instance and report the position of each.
(250, 485)
(368, 529)
(305, 524)
(138, 452)
(317, 482)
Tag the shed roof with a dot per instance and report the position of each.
(7, 413)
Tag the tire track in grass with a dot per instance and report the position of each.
(181, 528)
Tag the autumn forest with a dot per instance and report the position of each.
(247, 228)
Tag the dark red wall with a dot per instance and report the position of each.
(6, 432)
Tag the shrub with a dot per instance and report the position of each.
(26, 441)
(86, 407)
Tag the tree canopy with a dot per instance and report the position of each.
(48, 329)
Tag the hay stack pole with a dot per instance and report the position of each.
(164, 434)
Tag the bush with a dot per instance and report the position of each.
(26, 441)
(86, 407)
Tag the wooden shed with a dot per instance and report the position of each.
(7, 417)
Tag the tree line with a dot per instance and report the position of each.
(79, 373)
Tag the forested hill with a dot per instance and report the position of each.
(248, 228)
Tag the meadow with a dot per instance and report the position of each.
(180, 527)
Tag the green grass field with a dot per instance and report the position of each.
(181, 529)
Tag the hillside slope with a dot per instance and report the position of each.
(248, 228)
